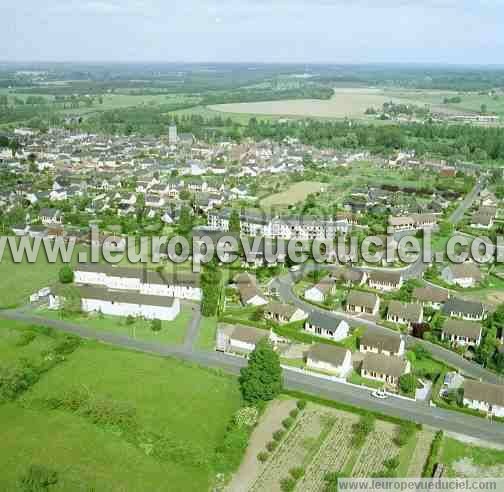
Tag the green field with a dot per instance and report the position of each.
(172, 332)
(184, 404)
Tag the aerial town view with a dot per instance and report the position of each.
(240, 253)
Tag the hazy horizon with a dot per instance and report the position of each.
(442, 32)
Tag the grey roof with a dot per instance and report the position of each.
(384, 364)
(280, 308)
(358, 298)
(462, 328)
(465, 270)
(385, 277)
(317, 318)
(430, 294)
(126, 297)
(328, 353)
(248, 334)
(408, 310)
(489, 393)
(383, 341)
(455, 305)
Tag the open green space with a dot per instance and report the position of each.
(172, 404)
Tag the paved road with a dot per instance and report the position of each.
(193, 329)
(419, 412)
(286, 282)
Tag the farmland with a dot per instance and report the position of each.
(322, 441)
(165, 397)
(296, 192)
(353, 102)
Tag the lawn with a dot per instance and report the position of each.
(172, 332)
(356, 378)
(185, 404)
(207, 334)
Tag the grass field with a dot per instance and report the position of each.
(184, 403)
(206, 338)
(296, 192)
(172, 332)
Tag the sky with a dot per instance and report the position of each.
(309, 31)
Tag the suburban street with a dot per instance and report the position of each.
(419, 412)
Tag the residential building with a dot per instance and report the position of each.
(329, 359)
(321, 291)
(431, 297)
(485, 397)
(283, 313)
(362, 303)
(384, 280)
(50, 216)
(387, 369)
(464, 275)
(460, 332)
(389, 344)
(325, 327)
(407, 313)
(468, 310)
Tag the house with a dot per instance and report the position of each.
(250, 295)
(460, 332)
(325, 327)
(387, 369)
(468, 310)
(283, 313)
(482, 221)
(349, 276)
(382, 343)
(408, 313)
(485, 397)
(321, 291)
(452, 381)
(431, 297)
(329, 359)
(124, 303)
(50, 216)
(385, 281)
(238, 339)
(362, 302)
(464, 275)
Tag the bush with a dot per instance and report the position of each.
(428, 470)
(230, 453)
(297, 472)
(287, 484)
(130, 320)
(391, 463)
(294, 413)
(156, 325)
(301, 404)
(407, 383)
(361, 429)
(68, 345)
(278, 435)
(246, 416)
(288, 422)
(404, 433)
(38, 479)
(66, 275)
(263, 456)
(25, 338)
(271, 446)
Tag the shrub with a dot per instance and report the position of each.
(404, 433)
(66, 275)
(38, 479)
(287, 484)
(246, 416)
(428, 470)
(130, 319)
(25, 338)
(68, 345)
(271, 446)
(297, 472)
(294, 413)
(156, 325)
(263, 456)
(407, 383)
(301, 404)
(277, 435)
(391, 463)
(230, 453)
(288, 422)
(361, 429)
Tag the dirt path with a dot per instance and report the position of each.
(270, 422)
(421, 453)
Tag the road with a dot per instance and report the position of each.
(475, 427)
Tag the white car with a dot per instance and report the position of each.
(380, 394)
(295, 268)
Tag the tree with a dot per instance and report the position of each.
(156, 325)
(486, 349)
(185, 224)
(261, 380)
(66, 274)
(234, 221)
(407, 383)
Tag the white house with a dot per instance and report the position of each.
(382, 343)
(485, 397)
(464, 275)
(407, 313)
(384, 368)
(320, 291)
(239, 339)
(283, 313)
(329, 359)
(325, 327)
(460, 332)
(50, 216)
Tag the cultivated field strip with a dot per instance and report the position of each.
(331, 457)
(291, 453)
(377, 448)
